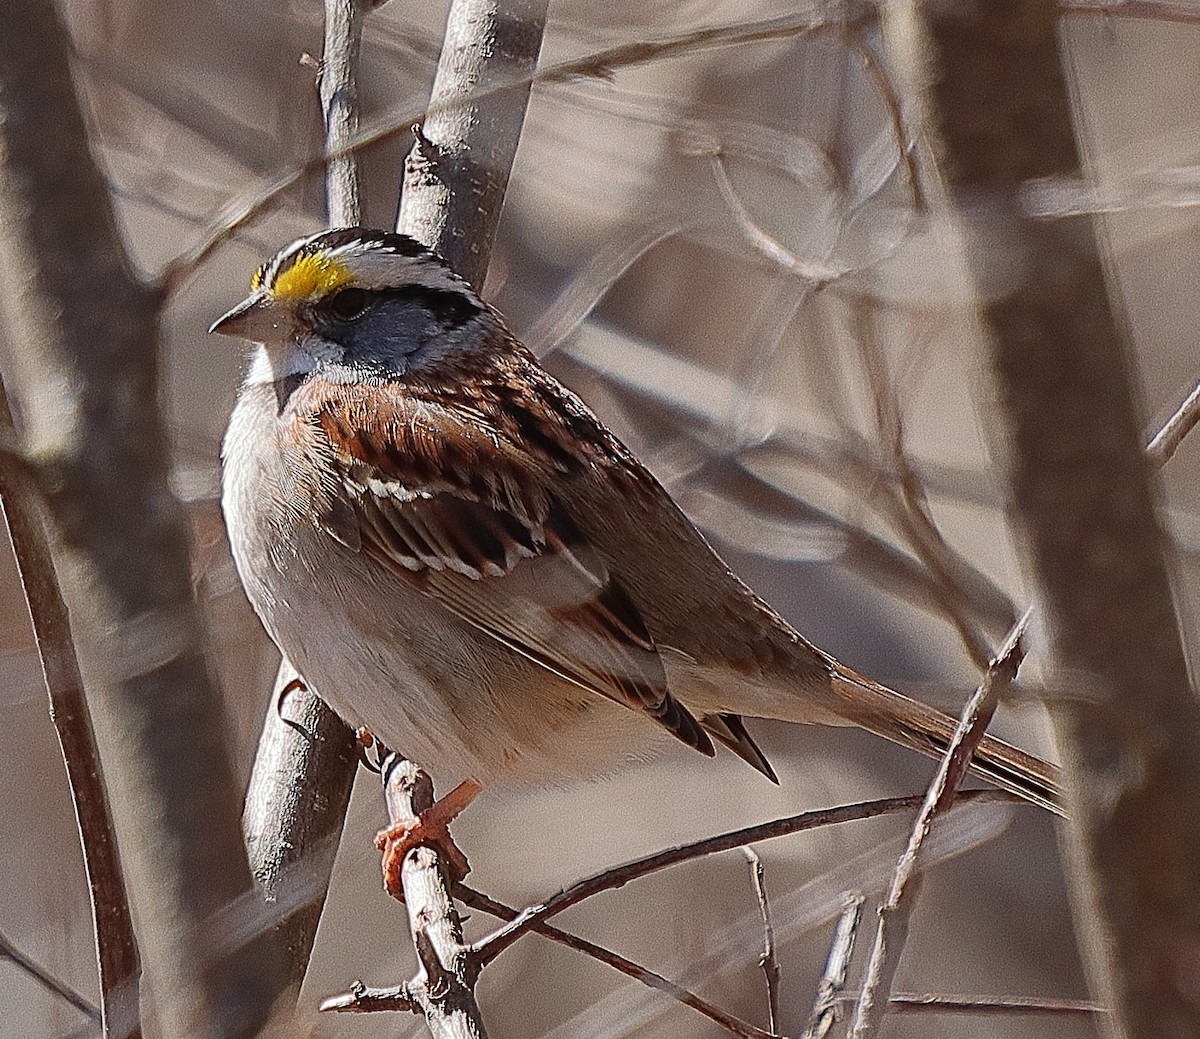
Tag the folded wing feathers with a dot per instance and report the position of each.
(561, 610)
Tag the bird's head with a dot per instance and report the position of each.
(372, 303)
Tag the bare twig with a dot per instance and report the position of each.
(60, 988)
(444, 988)
(651, 979)
(618, 876)
(767, 961)
(1179, 425)
(1151, 10)
(894, 913)
(1018, 1006)
(796, 912)
(363, 999)
(837, 966)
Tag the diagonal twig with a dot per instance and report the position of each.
(490, 947)
(901, 898)
(837, 966)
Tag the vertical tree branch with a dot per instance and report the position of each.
(339, 106)
(1130, 732)
(116, 946)
(457, 173)
(444, 988)
(295, 809)
(306, 759)
(84, 335)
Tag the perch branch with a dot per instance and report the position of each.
(306, 758)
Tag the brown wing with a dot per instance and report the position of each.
(468, 520)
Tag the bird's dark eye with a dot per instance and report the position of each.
(347, 304)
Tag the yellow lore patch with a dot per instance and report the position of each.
(312, 276)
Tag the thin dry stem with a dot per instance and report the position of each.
(767, 962)
(60, 988)
(601, 64)
(649, 978)
(985, 1006)
(894, 914)
(618, 876)
(1167, 440)
(837, 967)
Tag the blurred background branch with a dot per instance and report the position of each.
(83, 334)
(116, 944)
(1124, 709)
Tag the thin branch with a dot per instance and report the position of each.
(837, 966)
(363, 999)
(618, 876)
(815, 902)
(60, 988)
(116, 945)
(444, 987)
(767, 962)
(710, 968)
(1151, 10)
(894, 914)
(1165, 442)
(985, 1006)
(651, 979)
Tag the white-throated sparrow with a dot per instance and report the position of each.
(453, 550)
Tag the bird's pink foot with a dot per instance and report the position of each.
(429, 828)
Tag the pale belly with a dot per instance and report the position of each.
(426, 683)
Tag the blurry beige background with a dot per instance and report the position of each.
(633, 253)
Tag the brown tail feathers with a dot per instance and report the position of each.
(926, 730)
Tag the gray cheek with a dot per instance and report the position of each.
(398, 336)
(393, 329)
